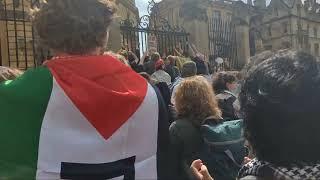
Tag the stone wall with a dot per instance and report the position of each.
(296, 27)
(126, 9)
(194, 15)
(20, 50)
(16, 36)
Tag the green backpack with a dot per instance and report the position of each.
(223, 149)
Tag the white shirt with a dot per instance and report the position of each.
(161, 76)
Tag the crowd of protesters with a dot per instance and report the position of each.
(272, 104)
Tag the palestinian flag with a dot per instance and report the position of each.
(80, 118)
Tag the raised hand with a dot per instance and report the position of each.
(200, 171)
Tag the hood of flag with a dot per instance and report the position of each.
(97, 119)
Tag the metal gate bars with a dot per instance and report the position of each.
(153, 32)
(144, 37)
(17, 37)
(222, 43)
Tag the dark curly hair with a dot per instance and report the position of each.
(74, 26)
(221, 79)
(280, 102)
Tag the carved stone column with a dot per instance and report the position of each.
(194, 15)
(242, 39)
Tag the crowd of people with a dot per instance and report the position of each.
(91, 114)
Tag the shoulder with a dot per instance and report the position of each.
(29, 94)
(224, 95)
(182, 126)
(181, 129)
(31, 79)
(180, 123)
(250, 178)
(221, 96)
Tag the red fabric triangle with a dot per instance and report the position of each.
(107, 92)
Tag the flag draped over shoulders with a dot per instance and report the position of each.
(79, 117)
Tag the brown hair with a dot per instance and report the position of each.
(221, 79)
(189, 69)
(9, 73)
(74, 26)
(195, 100)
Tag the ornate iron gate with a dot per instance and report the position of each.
(222, 43)
(17, 37)
(153, 31)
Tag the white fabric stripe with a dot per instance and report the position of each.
(67, 136)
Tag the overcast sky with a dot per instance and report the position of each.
(143, 4)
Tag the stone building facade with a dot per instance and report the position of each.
(18, 42)
(259, 26)
(288, 24)
(126, 10)
(196, 16)
(16, 37)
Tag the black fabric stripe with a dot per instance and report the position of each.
(163, 158)
(79, 171)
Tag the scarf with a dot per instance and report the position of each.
(269, 171)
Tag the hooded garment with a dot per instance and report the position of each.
(82, 117)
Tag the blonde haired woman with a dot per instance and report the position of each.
(195, 102)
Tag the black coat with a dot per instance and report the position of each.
(185, 141)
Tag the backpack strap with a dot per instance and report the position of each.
(230, 93)
(230, 155)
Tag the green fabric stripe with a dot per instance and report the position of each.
(23, 103)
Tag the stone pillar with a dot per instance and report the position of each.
(243, 45)
(260, 3)
(199, 35)
(114, 42)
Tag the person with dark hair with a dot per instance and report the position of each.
(165, 92)
(202, 66)
(149, 66)
(160, 75)
(280, 101)
(189, 69)
(134, 62)
(83, 115)
(171, 68)
(199, 59)
(224, 84)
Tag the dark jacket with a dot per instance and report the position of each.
(138, 68)
(173, 71)
(149, 67)
(185, 143)
(202, 67)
